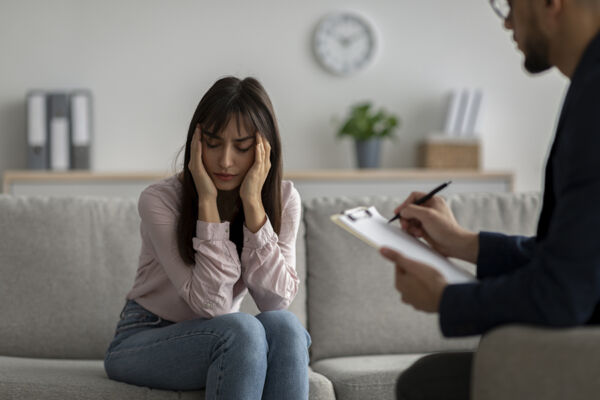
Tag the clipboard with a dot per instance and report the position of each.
(367, 224)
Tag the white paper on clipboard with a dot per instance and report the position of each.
(368, 225)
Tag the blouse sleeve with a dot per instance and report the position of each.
(207, 285)
(269, 260)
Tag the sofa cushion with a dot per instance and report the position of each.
(510, 213)
(353, 307)
(365, 377)
(66, 264)
(29, 378)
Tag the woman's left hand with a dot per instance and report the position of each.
(251, 188)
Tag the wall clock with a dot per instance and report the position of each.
(344, 43)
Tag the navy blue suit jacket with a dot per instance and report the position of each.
(551, 279)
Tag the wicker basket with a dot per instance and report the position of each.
(449, 153)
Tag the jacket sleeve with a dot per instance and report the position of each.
(560, 284)
(207, 285)
(502, 254)
(269, 260)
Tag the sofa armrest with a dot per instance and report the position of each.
(522, 362)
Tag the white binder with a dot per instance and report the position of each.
(37, 149)
(470, 125)
(452, 113)
(58, 131)
(81, 129)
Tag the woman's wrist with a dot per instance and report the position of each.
(254, 215)
(251, 199)
(208, 211)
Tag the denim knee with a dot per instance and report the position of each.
(244, 330)
(284, 325)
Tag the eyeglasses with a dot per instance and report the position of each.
(501, 7)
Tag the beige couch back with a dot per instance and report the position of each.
(65, 267)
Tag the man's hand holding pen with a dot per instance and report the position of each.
(421, 285)
(434, 222)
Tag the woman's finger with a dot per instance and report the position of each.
(197, 138)
(267, 144)
(267, 154)
(258, 155)
(193, 143)
(198, 141)
(193, 146)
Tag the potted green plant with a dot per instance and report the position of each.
(368, 127)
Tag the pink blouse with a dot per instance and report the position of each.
(219, 279)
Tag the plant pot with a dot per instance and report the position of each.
(367, 153)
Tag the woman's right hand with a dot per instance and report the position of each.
(204, 185)
(434, 222)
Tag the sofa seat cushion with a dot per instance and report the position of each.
(34, 378)
(365, 377)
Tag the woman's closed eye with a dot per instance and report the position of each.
(213, 144)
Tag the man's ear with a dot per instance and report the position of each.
(550, 13)
(555, 7)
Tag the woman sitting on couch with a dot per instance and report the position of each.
(224, 226)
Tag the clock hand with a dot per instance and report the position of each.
(353, 38)
(344, 41)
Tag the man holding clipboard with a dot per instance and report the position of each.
(551, 279)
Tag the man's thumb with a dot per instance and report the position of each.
(389, 253)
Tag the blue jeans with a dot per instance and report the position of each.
(233, 356)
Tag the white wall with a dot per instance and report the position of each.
(148, 62)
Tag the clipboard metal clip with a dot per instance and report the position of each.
(357, 213)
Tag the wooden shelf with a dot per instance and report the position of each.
(310, 183)
(386, 174)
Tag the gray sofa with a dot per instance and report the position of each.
(66, 264)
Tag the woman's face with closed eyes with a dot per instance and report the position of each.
(228, 155)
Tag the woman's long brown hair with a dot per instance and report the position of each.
(248, 102)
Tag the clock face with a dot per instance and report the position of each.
(344, 43)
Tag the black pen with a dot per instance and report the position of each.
(424, 198)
